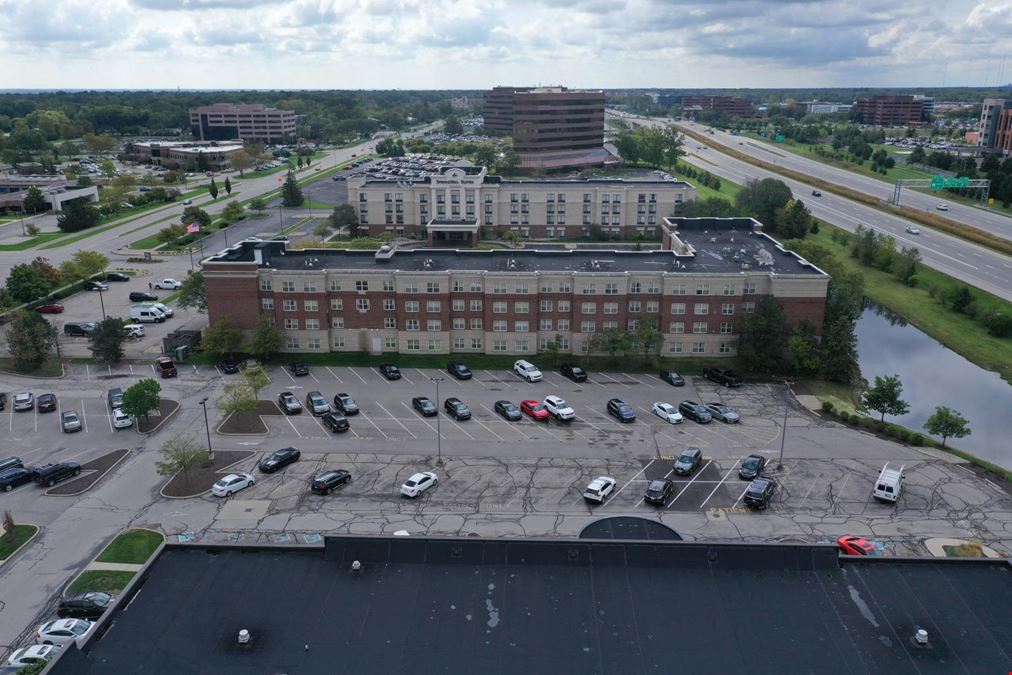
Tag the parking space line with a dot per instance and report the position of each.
(594, 381)
(289, 420)
(131, 366)
(476, 420)
(454, 423)
(111, 428)
(323, 428)
(496, 377)
(152, 370)
(740, 497)
(87, 370)
(109, 367)
(11, 425)
(396, 420)
(357, 375)
(515, 426)
(407, 378)
(35, 410)
(314, 377)
(336, 376)
(640, 381)
(84, 416)
(717, 487)
(691, 481)
(627, 386)
(628, 482)
(807, 492)
(366, 418)
(285, 371)
(418, 415)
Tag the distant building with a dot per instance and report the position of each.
(890, 110)
(462, 103)
(819, 108)
(995, 129)
(250, 122)
(734, 106)
(55, 190)
(929, 106)
(180, 154)
(497, 109)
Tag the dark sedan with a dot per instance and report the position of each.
(279, 460)
(457, 408)
(658, 491)
(46, 402)
(326, 482)
(298, 369)
(142, 296)
(621, 410)
(752, 467)
(13, 477)
(345, 404)
(117, 276)
(509, 410)
(228, 366)
(459, 370)
(390, 371)
(335, 422)
(84, 605)
(575, 373)
(96, 286)
(672, 378)
(696, 412)
(424, 405)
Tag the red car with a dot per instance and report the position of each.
(854, 545)
(54, 308)
(534, 410)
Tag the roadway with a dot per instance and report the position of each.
(971, 263)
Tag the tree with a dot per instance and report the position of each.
(342, 217)
(884, 397)
(947, 423)
(141, 398)
(77, 214)
(83, 264)
(30, 339)
(259, 205)
(212, 189)
(611, 340)
(233, 211)
(222, 337)
(228, 186)
(24, 283)
(108, 168)
(513, 237)
(761, 199)
(672, 145)
(839, 341)
(35, 201)
(45, 269)
(712, 207)
(452, 126)
(266, 339)
(628, 148)
(794, 220)
(485, 155)
(180, 454)
(299, 161)
(291, 193)
(905, 265)
(202, 163)
(762, 337)
(256, 379)
(106, 341)
(169, 234)
(241, 161)
(648, 339)
(195, 214)
(193, 292)
(551, 349)
(238, 399)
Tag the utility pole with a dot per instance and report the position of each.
(783, 435)
(439, 435)
(102, 302)
(207, 428)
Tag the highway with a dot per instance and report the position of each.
(976, 265)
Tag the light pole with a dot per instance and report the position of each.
(281, 220)
(101, 302)
(207, 428)
(439, 435)
(190, 249)
(783, 435)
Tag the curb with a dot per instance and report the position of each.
(15, 552)
(95, 482)
(63, 374)
(88, 566)
(164, 419)
(267, 429)
(198, 494)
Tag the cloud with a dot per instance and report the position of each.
(191, 5)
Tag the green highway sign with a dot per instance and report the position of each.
(941, 182)
(779, 138)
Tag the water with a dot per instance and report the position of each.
(933, 375)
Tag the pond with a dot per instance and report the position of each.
(933, 375)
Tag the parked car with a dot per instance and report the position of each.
(228, 366)
(70, 421)
(326, 482)
(10, 463)
(316, 403)
(288, 403)
(527, 370)
(298, 369)
(559, 409)
(724, 376)
(573, 372)
(672, 378)
(51, 474)
(457, 409)
(508, 410)
(64, 631)
(47, 402)
(24, 400)
(658, 491)
(166, 367)
(133, 330)
(142, 296)
(534, 410)
(115, 398)
(278, 459)
(84, 605)
(853, 545)
(459, 370)
(621, 410)
(117, 276)
(419, 483)
(95, 286)
(688, 461)
(599, 489)
(120, 420)
(912, 230)
(752, 467)
(696, 412)
(389, 371)
(14, 476)
(345, 404)
(33, 654)
(51, 308)
(667, 412)
(79, 329)
(759, 493)
(231, 484)
(424, 405)
(168, 284)
(335, 422)
(3, 400)
(724, 413)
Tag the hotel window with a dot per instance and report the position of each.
(589, 290)
(339, 343)
(521, 307)
(675, 348)
(677, 327)
(414, 345)
(562, 198)
(615, 208)
(459, 324)
(546, 305)
(312, 324)
(545, 324)
(476, 343)
(521, 326)
(588, 308)
(475, 305)
(611, 308)
(564, 287)
(336, 304)
(653, 307)
(458, 305)
(488, 199)
(458, 343)
(388, 343)
(587, 326)
(432, 287)
(748, 307)
(609, 325)
(699, 327)
(458, 286)
(634, 306)
(513, 196)
(678, 288)
(586, 196)
(411, 324)
(604, 209)
(499, 345)
(287, 286)
(411, 305)
(727, 309)
(476, 287)
(550, 198)
(701, 309)
(634, 324)
(605, 199)
(388, 305)
(698, 347)
(500, 307)
(387, 196)
(523, 197)
(678, 308)
(725, 327)
(266, 303)
(388, 286)
(411, 287)
(311, 305)
(728, 289)
(702, 289)
(499, 288)
(749, 288)
(475, 324)
(611, 289)
(564, 305)
(390, 322)
(291, 324)
(309, 287)
(432, 306)
(500, 326)
(362, 304)
(362, 285)
(292, 343)
(522, 289)
(337, 322)
(634, 287)
(522, 345)
(546, 287)
(289, 305)
(604, 220)
(265, 284)
(563, 324)
(434, 325)
(725, 348)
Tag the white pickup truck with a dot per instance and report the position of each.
(167, 284)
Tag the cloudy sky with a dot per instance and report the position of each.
(446, 44)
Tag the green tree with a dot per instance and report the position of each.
(107, 168)
(106, 341)
(342, 217)
(212, 189)
(30, 340)
(299, 161)
(142, 398)
(612, 341)
(551, 350)
(761, 199)
(672, 145)
(78, 214)
(241, 161)
(648, 339)
(917, 156)
(794, 220)
(256, 379)
(947, 423)
(291, 193)
(193, 292)
(259, 205)
(513, 237)
(452, 126)
(179, 455)
(266, 339)
(485, 155)
(906, 264)
(35, 201)
(838, 350)
(195, 214)
(169, 234)
(233, 211)
(84, 264)
(803, 349)
(45, 269)
(884, 397)
(628, 147)
(222, 337)
(762, 337)
(238, 399)
(24, 283)
(228, 186)
(711, 207)
(202, 163)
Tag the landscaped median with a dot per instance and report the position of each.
(17, 538)
(117, 564)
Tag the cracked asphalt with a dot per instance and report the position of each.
(499, 479)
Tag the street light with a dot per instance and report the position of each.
(281, 220)
(783, 435)
(439, 435)
(102, 302)
(207, 428)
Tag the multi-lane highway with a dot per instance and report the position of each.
(976, 265)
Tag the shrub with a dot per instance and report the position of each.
(827, 406)
(881, 426)
(903, 435)
(916, 439)
(845, 416)
(913, 280)
(868, 423)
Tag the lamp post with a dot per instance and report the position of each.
(281, 220)
(101, 302)
(439, 435)
(207, 428)
(190, 249)
(783, 435)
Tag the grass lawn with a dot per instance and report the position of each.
(901, 170)
(34, 241)
(19, 536)
(51, 368)
(728, 189)
(843, 397)
(149, 242)
(313, 204)
(132, 546)
(101, 580)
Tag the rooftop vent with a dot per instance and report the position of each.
(385, 252)
(511, 264)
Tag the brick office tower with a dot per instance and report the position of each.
(251, 122)
(887, 110)
(734, 106)
(512, 302)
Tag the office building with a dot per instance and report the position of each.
(497, 108)
(995, 129)
(708, 273)
(820, 108)
(55, 190)
(734, 106)
(890, 110)
(457, 204)
(251, 122)
(183, 154)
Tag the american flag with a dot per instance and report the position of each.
(192, 228)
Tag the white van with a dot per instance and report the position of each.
(142, 314)
(889, 484)
(164, 309)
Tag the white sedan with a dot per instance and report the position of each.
(667, 412)
(912, 230)
(64, 631)
(231, 484)
(28, 656)
(419, 483)
(168, 284)
(120, 420)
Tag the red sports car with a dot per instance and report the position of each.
(54, 308)
(534, 410)
(854, 545)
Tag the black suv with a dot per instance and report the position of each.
(459, 370)
(621, 410)
(228, 366)
(345, 404)
(15, 476)
(724, 376)
(335, 422)
(389, 371)
(82, 329)
(325, 483)
(298, 369)
(457, 408)
(117, 276)
(760, 493)
(3, 400)
(424, 405)
(84, 605)
(658, 491)
(672, 378)
(575, 373)
(142, 296)
(696, 412)
(51, 474)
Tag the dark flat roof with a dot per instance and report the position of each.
(559, 606)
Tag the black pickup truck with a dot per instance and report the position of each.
(724, 376)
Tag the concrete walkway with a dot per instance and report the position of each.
(115, 567)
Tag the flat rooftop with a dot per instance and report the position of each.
(560, 606)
